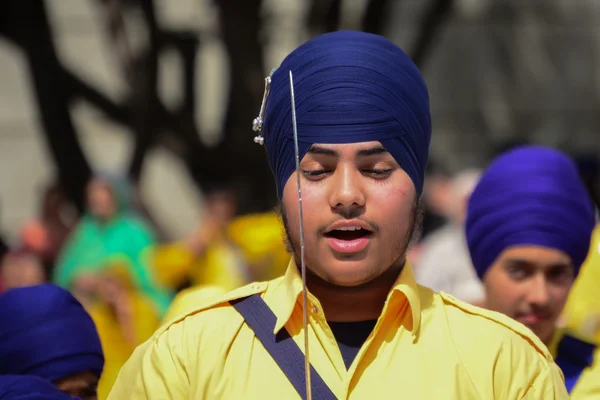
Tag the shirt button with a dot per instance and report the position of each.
(315, 309)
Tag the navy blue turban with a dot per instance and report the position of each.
(27, 387)
(529, 196)
(349, 87)
(46, 332)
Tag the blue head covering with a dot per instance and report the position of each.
(529, 196)
(349, 87)
(28, 387)
(45, 331)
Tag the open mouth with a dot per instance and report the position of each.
(348, 234)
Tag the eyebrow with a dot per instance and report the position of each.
(372, 151)
(322, 150)
(361, 153)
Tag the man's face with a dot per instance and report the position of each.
(82, 385)
(530, 284)
(359, 211)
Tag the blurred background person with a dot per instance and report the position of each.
(110, 233)
(529, 225)
(46, 332)
(28, 387)
(124, 318)
(225, 250)
(206, 256)
(46, 234)
(20, 268)
(582, 312)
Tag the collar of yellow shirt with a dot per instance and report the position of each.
(290, 287)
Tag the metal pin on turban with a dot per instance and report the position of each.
(258, 122)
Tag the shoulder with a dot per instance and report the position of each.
(503, 358)
(490, 326)
(211, 311)
(189, 299)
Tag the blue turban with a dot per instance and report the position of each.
(45, 331)
(529, 196)
(349, 87)
(27, 387)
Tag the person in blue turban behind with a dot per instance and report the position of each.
(364, 127)
(29, 387)
(529, 225)
(46, 332)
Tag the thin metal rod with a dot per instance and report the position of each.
(302, 259)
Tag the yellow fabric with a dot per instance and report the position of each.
(424, 346)
(189, 299)
(582, 312)
(172, 263)
(220, 265)
(260, 238)
(116, 348)
(588, 384)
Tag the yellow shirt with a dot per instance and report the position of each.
(582, 312)
(424, 346)
(588, 384)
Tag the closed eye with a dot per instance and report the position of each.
(316, 173)
(380, 172)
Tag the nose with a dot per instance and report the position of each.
(539, 294)
(347, 195)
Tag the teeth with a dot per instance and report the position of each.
(349, 228)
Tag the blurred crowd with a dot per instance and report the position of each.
(129, 281)
(110, 259)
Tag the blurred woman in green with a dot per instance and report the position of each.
(110, 232)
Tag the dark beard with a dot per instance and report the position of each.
(402, 246)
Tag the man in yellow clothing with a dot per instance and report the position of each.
(529, 224)
(363, 137)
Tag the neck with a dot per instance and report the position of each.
(354, 303)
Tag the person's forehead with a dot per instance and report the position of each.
(344, 148)
(537, 255)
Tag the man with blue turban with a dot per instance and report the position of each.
(46, 332)
(29, 387)
(371, 331)
(529, 225)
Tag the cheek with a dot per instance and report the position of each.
(313, 205)
(392, 205)
(502, 294)
(560, 295)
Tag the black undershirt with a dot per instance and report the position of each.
(350, 337)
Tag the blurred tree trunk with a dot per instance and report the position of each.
(246, 162)
(26, 23)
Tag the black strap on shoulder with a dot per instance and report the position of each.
(573, 356)
(286, 353)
